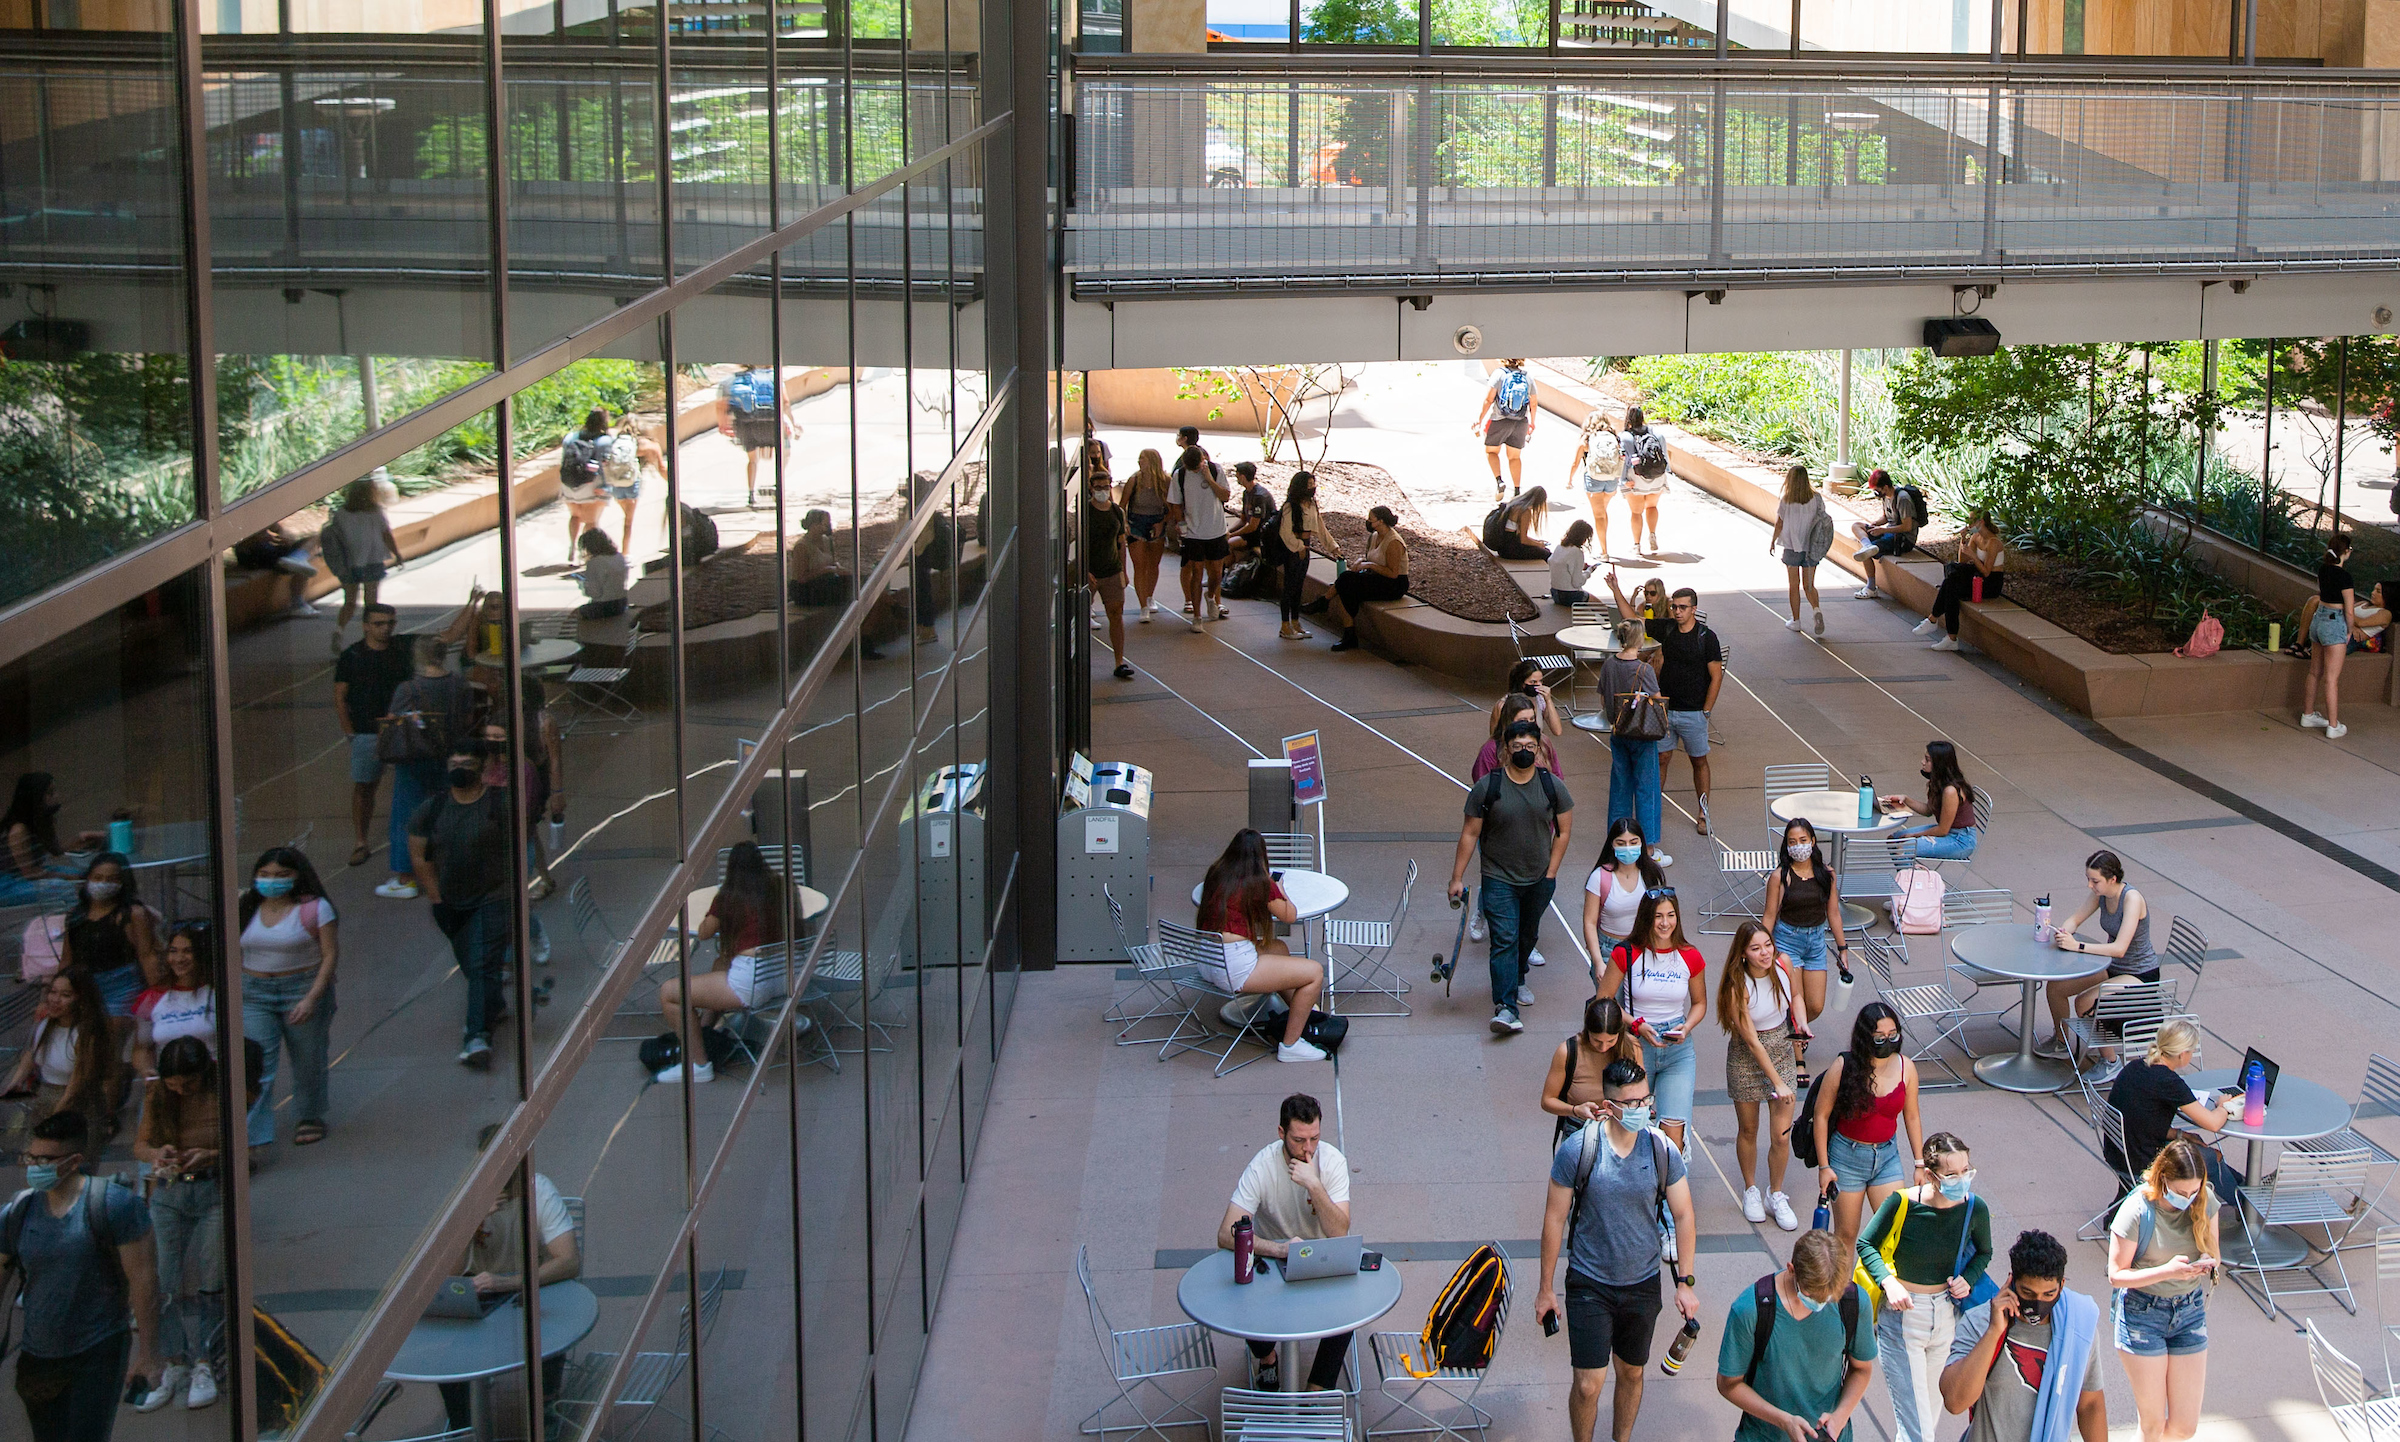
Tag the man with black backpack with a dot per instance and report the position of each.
(1509, 405)
(1612, 1186)
(87, 1285)
(1796, 1357)
(1894, 535)
(1520, 816)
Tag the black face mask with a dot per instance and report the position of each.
(1521, 757)
(1885, 1046)
(2034, 1313)
(463, 777)
(1926, 772)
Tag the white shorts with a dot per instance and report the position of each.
(742, 975)
(1241, 958)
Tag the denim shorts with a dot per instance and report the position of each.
(1144, 528)
(1859, 1165)
(1892, 543)
(1601, 485)
(1805, 945)
(2328, 628)
(2150, 1326)
(1689, 731)
(366, 767)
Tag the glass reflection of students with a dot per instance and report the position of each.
(180, 1137)
(38, 868)
(494, 1263)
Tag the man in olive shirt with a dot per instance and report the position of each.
(1520, 816)
(458, 842)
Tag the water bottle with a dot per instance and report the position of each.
(1866, 800)
(1844, 983)
(120, 836)
(1245, 1265)
(2041, 921)
(558, 836)
(1823, 1220)
(1978, 588)
(2254, 1096)
(1681, 1347)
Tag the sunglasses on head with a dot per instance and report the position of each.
(1659, 893)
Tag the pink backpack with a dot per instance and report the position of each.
(1917, 902)
(45, 941)
(2206, 637)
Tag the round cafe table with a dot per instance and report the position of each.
(2007, 948)
(547, 651)
(1835, 814)
(2301, 1111)
(1270, 1309)
(475, 1350)
(1315, 894)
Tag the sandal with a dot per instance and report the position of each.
(308, 1134)
(359, 856)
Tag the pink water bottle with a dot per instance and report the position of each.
(2042, 934)
(2254, 1096)
(1245, 1265)
(1977, 586)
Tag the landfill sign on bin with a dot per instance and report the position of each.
(1308, 768)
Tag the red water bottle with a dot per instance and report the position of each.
(1978, 589)
(1245, 1265)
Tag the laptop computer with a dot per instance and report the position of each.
(1328, 1257)
(2266, 1065)
(459, 1301)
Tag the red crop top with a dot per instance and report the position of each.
(1213, 918)
(1880, 1122)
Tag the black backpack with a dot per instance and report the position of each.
(579, 462)
(1463, 1327)
(1491, 798)
(1763, 1292)
(1908, 507)
(1649, 453)
(1804, 1126)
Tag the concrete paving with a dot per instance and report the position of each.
(1095, 1145)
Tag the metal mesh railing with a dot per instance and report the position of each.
(1250, 180)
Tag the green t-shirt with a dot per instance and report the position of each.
(1804, 1368)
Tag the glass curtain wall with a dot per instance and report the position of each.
(495, 685)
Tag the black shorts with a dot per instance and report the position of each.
(1215, 549)
(1509, 431)
(1605, 1321)
(755, 431)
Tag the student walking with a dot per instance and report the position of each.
(1573, 1092)
(1600, 461)
(1804, 531)
(2330, 631)
(291, 945)
(581, 452)
(365, 675)
(2163, 1256)
(1795, 1357)
(358, 548)
(1146, 526)
(1644, 456)
(751, 414)
(1982, 556)
(1610, 1183)
(1506, 418)
(430, 712)
(2027, 1367)
(1869, 1093)
(1758, 1005)
(1510, 709)
(180, 1139)
(458, 842)
(1662, 982)
(1520, 817)
(1196, 504)
(1612, 894)
(1634, 788)
(1928, 1248)
(1803, 908)
(1104, 560)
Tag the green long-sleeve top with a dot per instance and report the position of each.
(1929, 1241)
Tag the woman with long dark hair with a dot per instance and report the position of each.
(1512, 708)
(1870, 1091)
(1572, 1092)
(1511, 530)
(1241, 903)
(70, 1062)
(1293, 530)
(1949, 805)
(1382, 576)
(180, 1137)
(1758, 1005)
(291, 942)
(1803, 908)
(38, 867)
(184, 1003)
(112, 936)
(2330, 629)
(1661, 981)
(1612, 894)
(745, 916)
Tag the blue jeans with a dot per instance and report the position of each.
(188, 1219)
(1633, 785)
(412, 783)
(1957, 846)
(1514, 914)
(1674, 1072)
(267, 1003)
(478, 935)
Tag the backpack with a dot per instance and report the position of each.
(1763, 1292)
(1908, 507)
(666, 1049)
(1590, 1157)
(2207, 636)
(1464, 1325)
(621, 464)
(1513, 395)
(1601, 454)
(579, 462)
(1820, 535)
(1491, 798)
(44, 948)
(333, 550)
(751, 393)
(1648, 451)
(1804, 1121)
(1917, 902)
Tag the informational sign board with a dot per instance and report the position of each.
(1308, 767)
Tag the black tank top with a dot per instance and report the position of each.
(102, 946)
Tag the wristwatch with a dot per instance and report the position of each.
(1687, 1281)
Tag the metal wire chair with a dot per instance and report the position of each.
(1140, 1362)
(1369, 973)
(2310, 1189)
(1157, 987)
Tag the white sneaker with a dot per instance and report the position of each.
(2311, 718)
(1505, 1023)
(1300, 632)
(1947, 643)
(476, 1052)
(1866, 593)
(1858, 555)
(1537, 959)
(701, 1074)
(1754, 1207)
(398, 889)
(1930, 623)
(1524, 996)
(1781, 1207)
(1195, 624)
(1221, 612)
(541, 947)
(203, 1389)
(1475, 930)
(171, 1379)
(1792, 625)
(1301, 1050)
(2336, 732)
(1817, 619)
(1142, 613)
(1664, 861)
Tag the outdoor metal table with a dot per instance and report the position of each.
(547, 651)
(2007, 948)
(2301, 1111)
(456, 1349)
(1315, 894)
(1835, 814)
(1271, 1309)
(1595, 722)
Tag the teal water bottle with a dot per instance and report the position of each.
(120, 836)
(1866, 800)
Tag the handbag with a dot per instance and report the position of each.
(1638, 715)
(2208, 634)
(1985, 1288)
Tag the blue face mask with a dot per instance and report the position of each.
(1809, 1303)
(273, 885)
(41, 1176)
(1634, 1118)
(1628, 855)
(1956, 1188)
(2179, 1201)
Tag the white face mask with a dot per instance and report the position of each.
(1798, 853)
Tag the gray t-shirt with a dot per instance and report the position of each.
(2006, 1412)
(467, 844)
(75, 1292)
(1616, 1231)
(2171, 1236)
(1520, 827)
